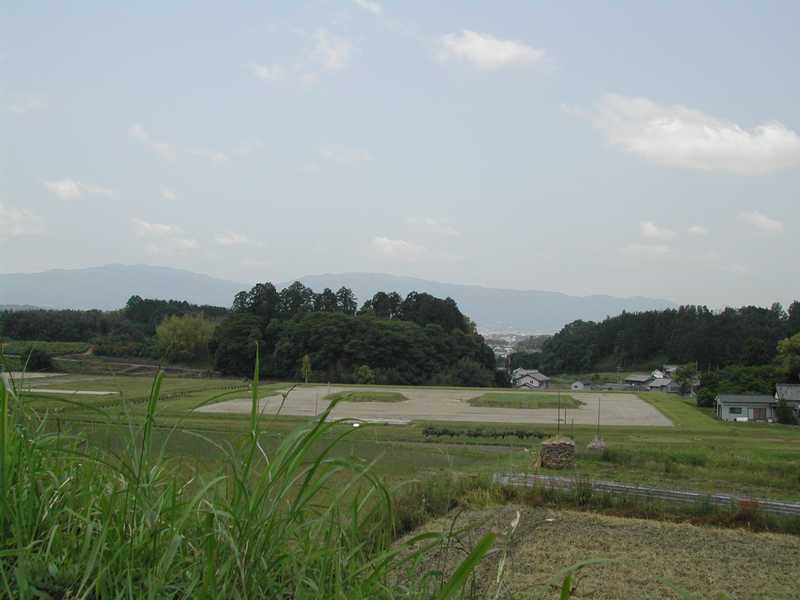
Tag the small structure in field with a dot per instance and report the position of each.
(557, 453)
(531, 379)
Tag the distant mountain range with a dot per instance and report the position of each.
(109, 287)
(493, 309)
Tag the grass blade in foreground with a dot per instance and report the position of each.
(292, 520)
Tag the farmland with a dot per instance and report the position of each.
(696, 452)
(434, 466)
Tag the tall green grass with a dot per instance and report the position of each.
(83, 522)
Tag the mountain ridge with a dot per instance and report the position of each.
(108, 287)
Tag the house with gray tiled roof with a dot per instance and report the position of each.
(529, 378)
(745, 407)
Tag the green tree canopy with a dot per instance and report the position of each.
(184, 338)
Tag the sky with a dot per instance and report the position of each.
(623, 148)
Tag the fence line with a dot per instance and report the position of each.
(614, 487)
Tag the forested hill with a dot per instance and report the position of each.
(418, 339)
(743, 336)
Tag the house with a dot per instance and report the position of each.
(531, 379)
(745, 407)
(789, 393)
(660, 384)
(658, 374)
(671, 370)
(639, 380)
(579, 386)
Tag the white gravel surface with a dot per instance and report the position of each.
(425, 404)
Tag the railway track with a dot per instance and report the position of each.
(778, 507)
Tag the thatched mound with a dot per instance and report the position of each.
(557, 453)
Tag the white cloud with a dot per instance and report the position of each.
(698, 230)
(344, 155)
(69, 189)
(432, 225)
(651, 231)
(18, 222)
(167, 193)
(677, 136)
(369, 6)
(398, 249)
(163, 150)
(761, 222)
(162, 239)
(485, 51)
(331, 52)
(231, 238)
(21, 103)
(324, 53)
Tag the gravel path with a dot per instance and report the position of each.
(449, 405)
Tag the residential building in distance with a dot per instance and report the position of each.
(639, 381)
(745, 407)
(529, 378)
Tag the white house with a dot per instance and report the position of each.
(529, 378)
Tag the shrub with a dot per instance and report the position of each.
(364, 375)
(38, 360)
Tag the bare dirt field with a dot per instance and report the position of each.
(426, 404)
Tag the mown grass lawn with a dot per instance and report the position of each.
(530, 400)
(366, 396)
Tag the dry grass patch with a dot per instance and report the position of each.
(648, 559)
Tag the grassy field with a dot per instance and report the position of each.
(530, 400)
(699, 452)
(366, 396)
(52, 348)
(432, 468)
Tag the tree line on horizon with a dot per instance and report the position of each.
(389, 339)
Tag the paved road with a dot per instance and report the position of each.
(426, 404)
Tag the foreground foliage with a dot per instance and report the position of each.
(297, 522)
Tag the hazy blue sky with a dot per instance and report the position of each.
(624, 148)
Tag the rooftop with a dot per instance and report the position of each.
(745, 399)
(639, 377)
(788, 391)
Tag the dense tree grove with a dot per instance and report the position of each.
(126, 332)
(744, 336)
(416, 340)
